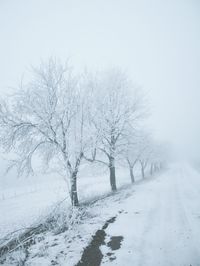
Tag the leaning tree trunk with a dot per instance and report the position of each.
(131, 174)
(73, 192)
(112, 174)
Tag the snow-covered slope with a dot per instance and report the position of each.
(25, 200)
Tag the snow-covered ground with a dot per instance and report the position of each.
(66, 247)
(157, 222)
(25, 200)
(161, 222)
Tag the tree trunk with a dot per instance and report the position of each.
(131, 174)
(155, 167)
(142, 171)
(112, 174)
(151, 169)
(73, 192)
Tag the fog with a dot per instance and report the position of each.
(86, 178)
(156, 42)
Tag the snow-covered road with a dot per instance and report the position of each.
(160, 224)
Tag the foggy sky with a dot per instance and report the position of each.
(156, 42)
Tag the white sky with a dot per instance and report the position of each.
(157, 42)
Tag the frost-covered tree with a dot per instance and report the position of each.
(145, 151)
(131, 153)
(132, 159)
(158, 157)
(47, 119)
(118, 107)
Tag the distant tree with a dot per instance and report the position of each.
(145, 149)
(48, 119)
(158, 157)
(131, 153)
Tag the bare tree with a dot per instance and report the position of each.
(118, 107)
(48, 119)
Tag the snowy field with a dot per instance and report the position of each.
(30, 199)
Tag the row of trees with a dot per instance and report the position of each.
(60, 120)
(144, 151)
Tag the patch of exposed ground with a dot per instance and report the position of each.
(92, 254)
